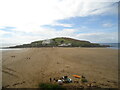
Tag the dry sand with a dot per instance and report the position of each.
(28, 67)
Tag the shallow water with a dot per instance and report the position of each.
(10, 49)
(113, 45)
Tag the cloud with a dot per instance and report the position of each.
(96, 37)
(2, 32)
(34, 13)
(61, 24)
(107, 25)
(27, 16)
(22, 37)
(99, 37)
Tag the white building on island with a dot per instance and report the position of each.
(68, 44)
(48, 41)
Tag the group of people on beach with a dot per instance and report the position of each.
(63, 79)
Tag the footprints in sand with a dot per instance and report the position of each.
(6, 86)
(13, 85)
(67, 66)
(13, 73)
(13, 56)
(18, 83)
(58, 62)
(28, 58)
(9, 71)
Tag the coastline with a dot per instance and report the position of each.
(6, 49)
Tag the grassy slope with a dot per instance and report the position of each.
(61, 40)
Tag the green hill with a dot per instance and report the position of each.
(60, 42)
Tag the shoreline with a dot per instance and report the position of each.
(6, 49)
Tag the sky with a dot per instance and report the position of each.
(25, 21)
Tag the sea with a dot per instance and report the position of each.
(112, 45)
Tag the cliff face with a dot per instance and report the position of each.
(60, 42)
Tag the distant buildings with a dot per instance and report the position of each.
(48, 41)
(68, 44)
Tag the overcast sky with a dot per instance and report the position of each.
(24, 21)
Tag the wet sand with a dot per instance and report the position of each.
(28, 67)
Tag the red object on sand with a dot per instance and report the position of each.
(76, 76)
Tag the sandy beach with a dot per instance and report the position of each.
(27, 68)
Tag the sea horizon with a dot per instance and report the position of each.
(112, 45)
